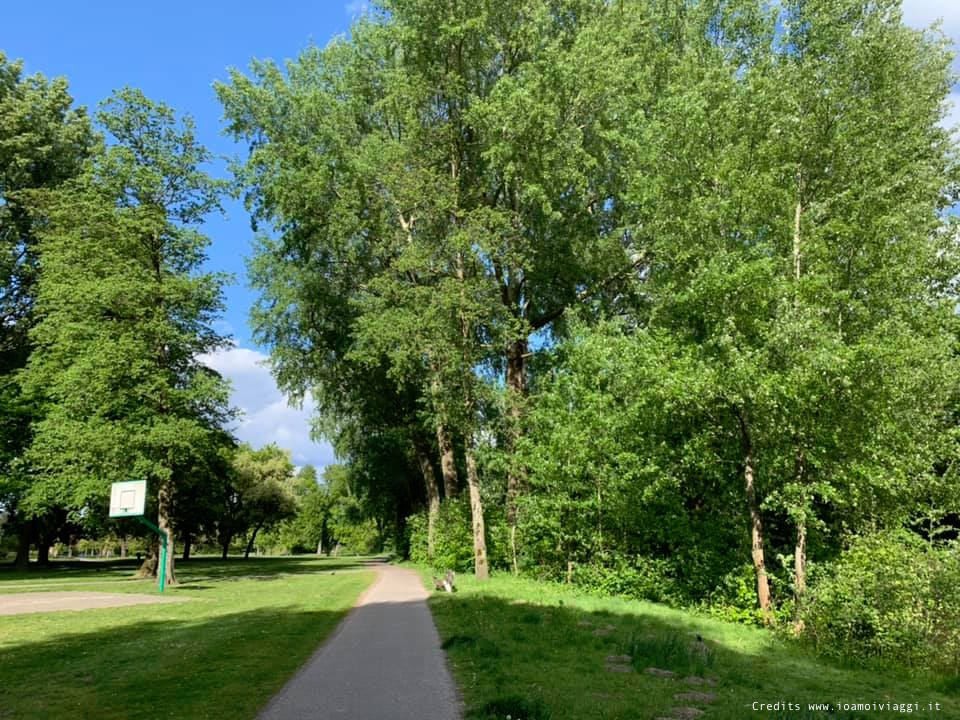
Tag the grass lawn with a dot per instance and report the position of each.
(536, 651)
(249, 624)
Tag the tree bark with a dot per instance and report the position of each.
(43, 551)
(433, 496)
(148, 568)
(22, 561)
(800, 559)
(187, 545)
(517, 389)
(224, 547)
(163, 522)
(756, 522)
(253, 538)
(448, 465)
(800, 547)
(481, 568)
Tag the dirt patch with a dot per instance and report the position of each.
(686, 713)
(40, 602)
(604, 631)
(694, 680)
(698, 697)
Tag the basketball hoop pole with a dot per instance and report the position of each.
(162, 567)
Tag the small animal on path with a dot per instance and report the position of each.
(446, 583)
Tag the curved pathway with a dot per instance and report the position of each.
(384, 662)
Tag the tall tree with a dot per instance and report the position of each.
(44, 141)
(410, 148)
(792, 202)
(125, 312)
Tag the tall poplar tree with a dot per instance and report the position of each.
(442, 146)
(125, 310)
(802, 254)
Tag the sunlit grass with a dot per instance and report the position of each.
(247, 626)
(512, 641)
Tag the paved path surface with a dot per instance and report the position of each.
(384, 662)
(35, 602)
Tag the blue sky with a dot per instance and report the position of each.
(174, 51)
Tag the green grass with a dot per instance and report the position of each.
(538, 651)
(248, 625)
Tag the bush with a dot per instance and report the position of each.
(735, 598)
(890, 596)
(453, 544)
(640, 578)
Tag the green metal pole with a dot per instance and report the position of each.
(162, 570)
(162, 567)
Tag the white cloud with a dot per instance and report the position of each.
(267, 415)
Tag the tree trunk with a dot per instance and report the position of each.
(148, 568)
(23, 547)
(448, 465)
(163, 522)
(517, 389)
(123, 547)
(800, 548)
(756, 522)
(187, 545)
(253, 538)
(800, 559)
(224, 547)
(481, 568)
(43, 551)
(433, 495)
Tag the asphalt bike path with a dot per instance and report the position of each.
(384, 662)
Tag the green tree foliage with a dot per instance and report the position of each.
(793, 207)
(125, 311)
(747, 205)
(415, 223)
(262, 491)
(305, 531)
(44, 141)
(889, 596)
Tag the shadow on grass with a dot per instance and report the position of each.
(383, 663)
(547, 660)
(223, 666)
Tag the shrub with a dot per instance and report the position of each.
(640, 578)
(453, 544)
(890, 596)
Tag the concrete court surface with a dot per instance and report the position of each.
(36, 602)
(384, 662)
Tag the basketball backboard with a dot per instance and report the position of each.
(128, 498)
